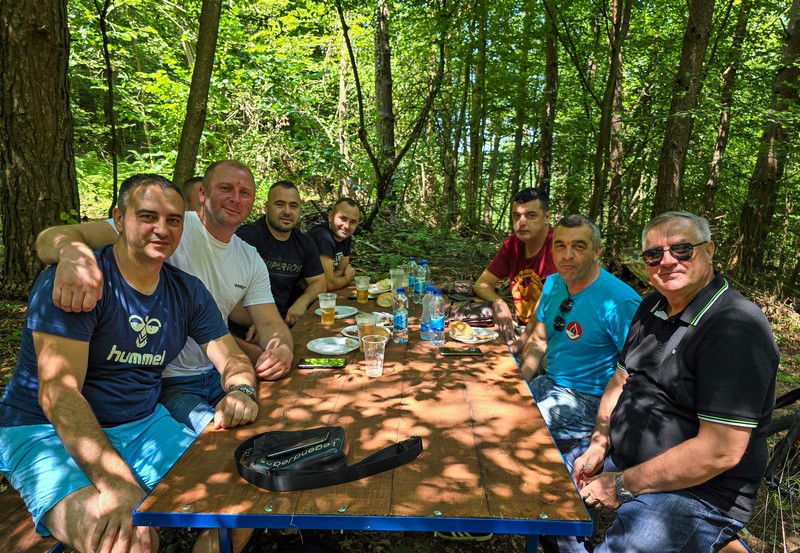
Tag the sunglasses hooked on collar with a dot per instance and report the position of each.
(682, 251)
(566, 306)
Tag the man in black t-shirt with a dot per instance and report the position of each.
(334, 240)
(680, 442)
(295, 271)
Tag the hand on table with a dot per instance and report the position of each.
(294, 313)
(504, 320)
(235, 409)
(274, 363)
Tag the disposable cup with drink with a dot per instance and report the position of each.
(327, 307)
(399, 278)
(362, 289)
(374, 348)
(366, 325)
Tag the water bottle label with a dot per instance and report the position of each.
(437, 324)
(424, 327)
(400, 321)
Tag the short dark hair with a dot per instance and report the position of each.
(144, 179)
(345, 200)
(192, 181)
(530, 194)
(575, 220)
(283, 184)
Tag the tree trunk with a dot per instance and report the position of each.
(198, 92)
(37, 170)
(384, 88)
(726, 100)
(685, 91)
(759, 208)
(111, 112)
(342, 112)
(618, 27)
(550, 96)
(477, 122)
(522, 107)
(616, 155)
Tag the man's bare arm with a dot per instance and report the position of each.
(274, 338)
(78, 282)
(485, 288)
(314, 286)
(341, 276)
(715, 449)
(534, 350)
(62, 368)
(235, 368)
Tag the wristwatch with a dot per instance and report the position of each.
(623, 495)
(246, 389)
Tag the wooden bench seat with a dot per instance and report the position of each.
(16, 527)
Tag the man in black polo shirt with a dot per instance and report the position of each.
(680, 442)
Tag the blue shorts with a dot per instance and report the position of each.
(40, 469)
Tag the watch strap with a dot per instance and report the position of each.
(246, 389)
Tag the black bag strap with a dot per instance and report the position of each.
(278, 480)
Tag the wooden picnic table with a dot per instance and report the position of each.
(489, 463)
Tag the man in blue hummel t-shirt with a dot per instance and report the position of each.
(82, 435)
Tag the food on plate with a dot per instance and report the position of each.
(384, 284)
(385, 299)
(382, 331)
(460, 329)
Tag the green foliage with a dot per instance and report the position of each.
(69, 218)
(274, 103)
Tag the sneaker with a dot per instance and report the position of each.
(464, 536)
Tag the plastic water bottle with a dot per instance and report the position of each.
(411, 267)
(425, 320)
(423, 277)
(400, 311)
(437, 318)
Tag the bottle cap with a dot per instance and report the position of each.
(401, 290)
(430, 288)
(437, 293)
(412, 258)
(423, 262)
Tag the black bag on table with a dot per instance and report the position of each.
(287, 461)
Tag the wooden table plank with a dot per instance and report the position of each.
(488, 456)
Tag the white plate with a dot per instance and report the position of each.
(479, 336)
(374, 290)
(342, 311)
(332, 345)
(352, 330)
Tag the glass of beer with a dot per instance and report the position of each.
(362, 289)
(327, 307)
(366, 325)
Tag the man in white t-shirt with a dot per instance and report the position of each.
(231, 270)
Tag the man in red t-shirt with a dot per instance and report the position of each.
(525, 258)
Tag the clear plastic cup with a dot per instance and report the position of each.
(374, 348)
(362, 289)
(327, 307)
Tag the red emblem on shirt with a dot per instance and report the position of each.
(573, 330)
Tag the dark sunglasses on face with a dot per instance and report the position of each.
(566, 306)
(682, 251)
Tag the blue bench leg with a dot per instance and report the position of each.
(531, 543)
(225, 540)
